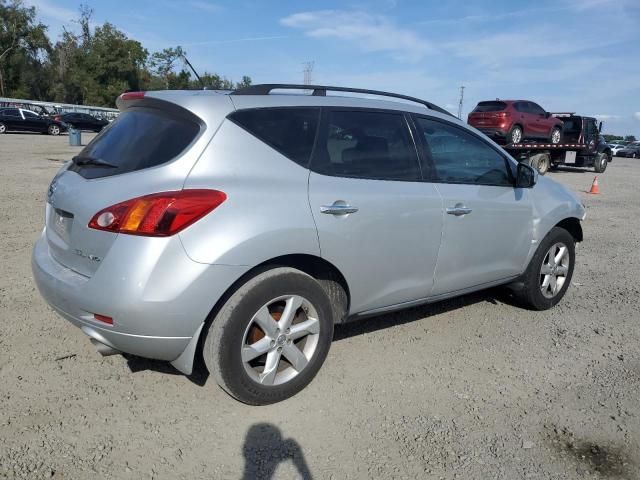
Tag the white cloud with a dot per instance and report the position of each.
(636, 115)
(50, 10)
(606, 116)
(205, 6)
(371, 33)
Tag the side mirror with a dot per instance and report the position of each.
(526, 176)
(547, 114)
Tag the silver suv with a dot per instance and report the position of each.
(242, 226)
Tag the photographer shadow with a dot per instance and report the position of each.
(264, 449)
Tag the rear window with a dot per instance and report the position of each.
(290, 131)
(490, 107)
(139, 138)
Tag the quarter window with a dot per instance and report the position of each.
(290, 131)
(366, 144)
(459, 157)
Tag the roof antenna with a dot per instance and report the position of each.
(186, 60)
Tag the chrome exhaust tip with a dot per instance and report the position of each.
(104, 350)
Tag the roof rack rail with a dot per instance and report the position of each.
(321, 91)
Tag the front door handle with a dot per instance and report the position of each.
(459, 210)
(338, 209)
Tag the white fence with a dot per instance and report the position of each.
(50, 108)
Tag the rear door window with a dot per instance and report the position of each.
(11, 112)
(139, 138)
(290, 131)
(366, 144)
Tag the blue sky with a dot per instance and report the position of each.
(567, 55)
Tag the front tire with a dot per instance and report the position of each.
(53, 130)
(600, 162)
(270, 337)
(549, 273)
(3, 128)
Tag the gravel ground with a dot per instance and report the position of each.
(474, 388)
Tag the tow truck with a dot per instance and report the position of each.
(581, 146)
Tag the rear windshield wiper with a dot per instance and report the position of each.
(86, 161)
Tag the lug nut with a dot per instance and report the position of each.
(279, 349)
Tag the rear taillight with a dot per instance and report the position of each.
(132, 95)
(500, 114)
(158, 215)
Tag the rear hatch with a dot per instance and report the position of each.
(149, 148)
(488, 114)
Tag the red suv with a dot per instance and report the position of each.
(515, 120)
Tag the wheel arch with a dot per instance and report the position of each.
(328, 275)
(573, 226)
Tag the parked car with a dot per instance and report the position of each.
(513, 121)
(632, 151)
(82, 121)
(249, 224)
(21, 120)
(615, 148)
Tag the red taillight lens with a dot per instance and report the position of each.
(103, 318)
(132, 95)
(500, 114)
(158, 215)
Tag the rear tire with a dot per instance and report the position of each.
(549, 273)
(256, 350)
(600, 162)
(53, 130)
(515, 135)
(3, 128)
(541, 162)
(556, 136)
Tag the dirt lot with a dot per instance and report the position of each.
(475, 388)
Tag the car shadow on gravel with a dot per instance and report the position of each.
(362, 326)
(350, 329)
(199, 375)
(565, 169)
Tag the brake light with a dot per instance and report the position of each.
(159, 214)
(500, 114)
(132, 95)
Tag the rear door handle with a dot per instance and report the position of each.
(459, 210)
(338, 209)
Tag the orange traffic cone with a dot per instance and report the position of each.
(595, 189)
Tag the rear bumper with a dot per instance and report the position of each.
(155, 315)
(493, 132)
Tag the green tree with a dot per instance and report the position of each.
(163, 64)
(24, 47)
(630, 138)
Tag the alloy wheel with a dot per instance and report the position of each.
(516, 135)
(280, 340)
(3, 128)
(555, 136)
(554, 270)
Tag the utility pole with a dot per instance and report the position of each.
(460, 103)
(308, 72)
